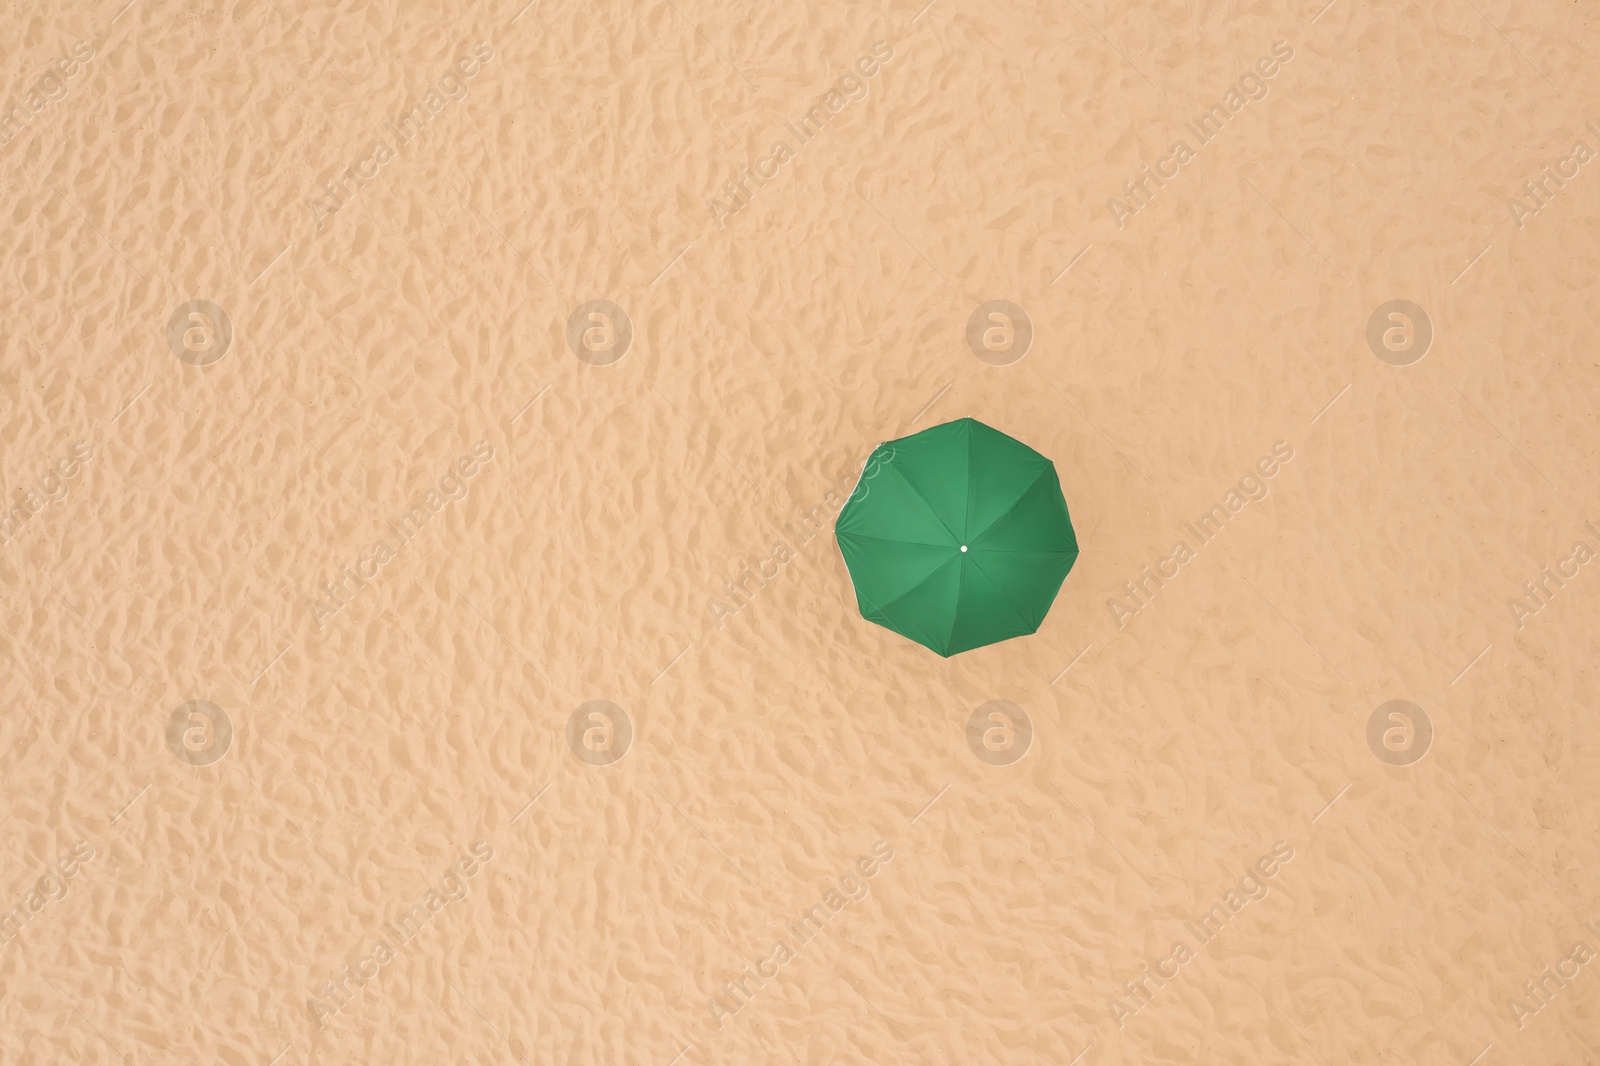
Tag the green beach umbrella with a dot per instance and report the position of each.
(957, 537)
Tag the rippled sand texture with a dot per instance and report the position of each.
(383, 756)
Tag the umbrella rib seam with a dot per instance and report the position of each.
(966, 516)
(1049, 467)
(1005, 598)
(917, 586)
(888, 540)
(924, 501)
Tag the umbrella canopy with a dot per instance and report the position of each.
(957, 537)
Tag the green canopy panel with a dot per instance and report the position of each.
(957, 537)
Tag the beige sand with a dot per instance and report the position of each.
(381, 837)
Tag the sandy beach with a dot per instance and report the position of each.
(423, 636)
